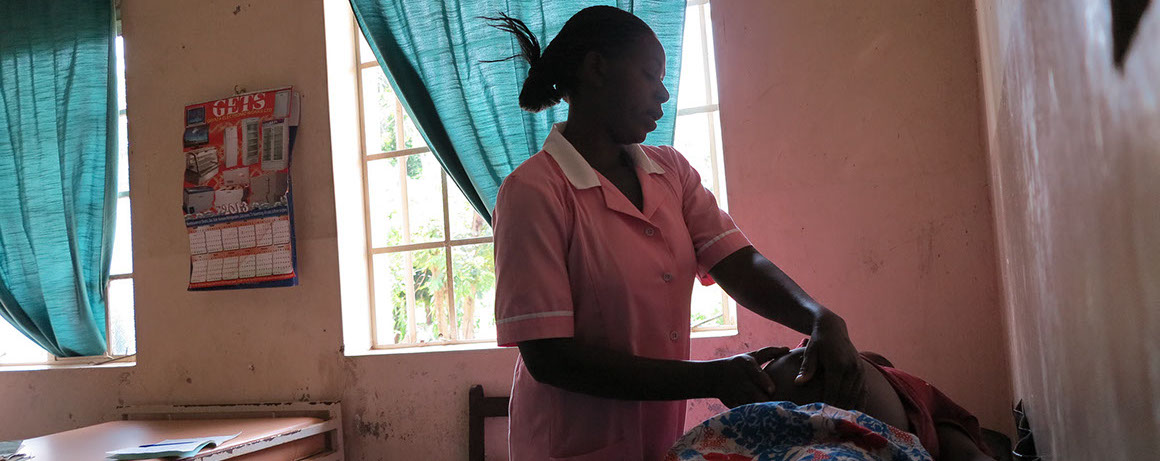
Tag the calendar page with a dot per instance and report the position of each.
(236, 196)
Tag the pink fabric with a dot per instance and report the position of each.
(574, 258)
(927, 407)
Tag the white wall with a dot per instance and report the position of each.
(1074, 152)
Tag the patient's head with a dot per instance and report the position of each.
(784, 370)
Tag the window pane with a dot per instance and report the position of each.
(414, 181)
(381, 109)
(385, 203)
(692, 83)
(465, 222)
(122, 153)
(722, 189)
(411, 133)
(378, 111)
(15, 348)
(122, 240)
(418, 278)
(364, 49)
(390, 300)
(122, 336)
(707, 305)
(424, 191)
(692, 138)
(698, 137)
(474, 267)
(712, 53)
(120, 50)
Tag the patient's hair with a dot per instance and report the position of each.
(553, 75)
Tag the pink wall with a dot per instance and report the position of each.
(854, 156)
(856, 160)
(1074, 149)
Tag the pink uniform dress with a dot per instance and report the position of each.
(575, 259)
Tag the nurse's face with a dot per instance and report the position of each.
(633, 94)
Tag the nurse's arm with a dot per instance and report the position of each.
(602, 372)
(758, 284)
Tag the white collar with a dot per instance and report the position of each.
(577, 170)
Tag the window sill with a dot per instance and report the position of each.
(714, 332)
(423, 348)
(490, 345)
(75, 363)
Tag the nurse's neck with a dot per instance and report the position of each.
(591, 138)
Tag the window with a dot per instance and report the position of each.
(698, 137)
(429, 254)
(15, 348)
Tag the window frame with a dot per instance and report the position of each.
(447, 243)
(727, 314)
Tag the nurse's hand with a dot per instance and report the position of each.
(829, 346)
(739, 379)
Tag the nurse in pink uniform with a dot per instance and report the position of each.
(598, 240)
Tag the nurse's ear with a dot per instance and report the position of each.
(593, 72)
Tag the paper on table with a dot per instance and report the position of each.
(10, 447)
(9, 451)
(181, 448)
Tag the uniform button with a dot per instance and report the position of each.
(649, 231)
(668, 277)
(674, 336)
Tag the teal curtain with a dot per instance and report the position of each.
(58, 167)
(468, 111)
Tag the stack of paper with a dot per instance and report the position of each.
(9, 451)
(181, 448)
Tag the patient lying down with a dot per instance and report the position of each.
(945, 429)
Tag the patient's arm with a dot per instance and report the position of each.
(955, 445)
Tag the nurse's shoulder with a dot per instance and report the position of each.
(674, 163)
(537, 183)
(538, 170)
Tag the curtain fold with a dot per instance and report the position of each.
(58, 170)
(468, 111)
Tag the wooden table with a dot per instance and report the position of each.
(268, 438)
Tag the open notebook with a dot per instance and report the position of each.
(181, 448)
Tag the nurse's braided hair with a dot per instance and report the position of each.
(553, 75)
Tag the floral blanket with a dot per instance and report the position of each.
(782, 431)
